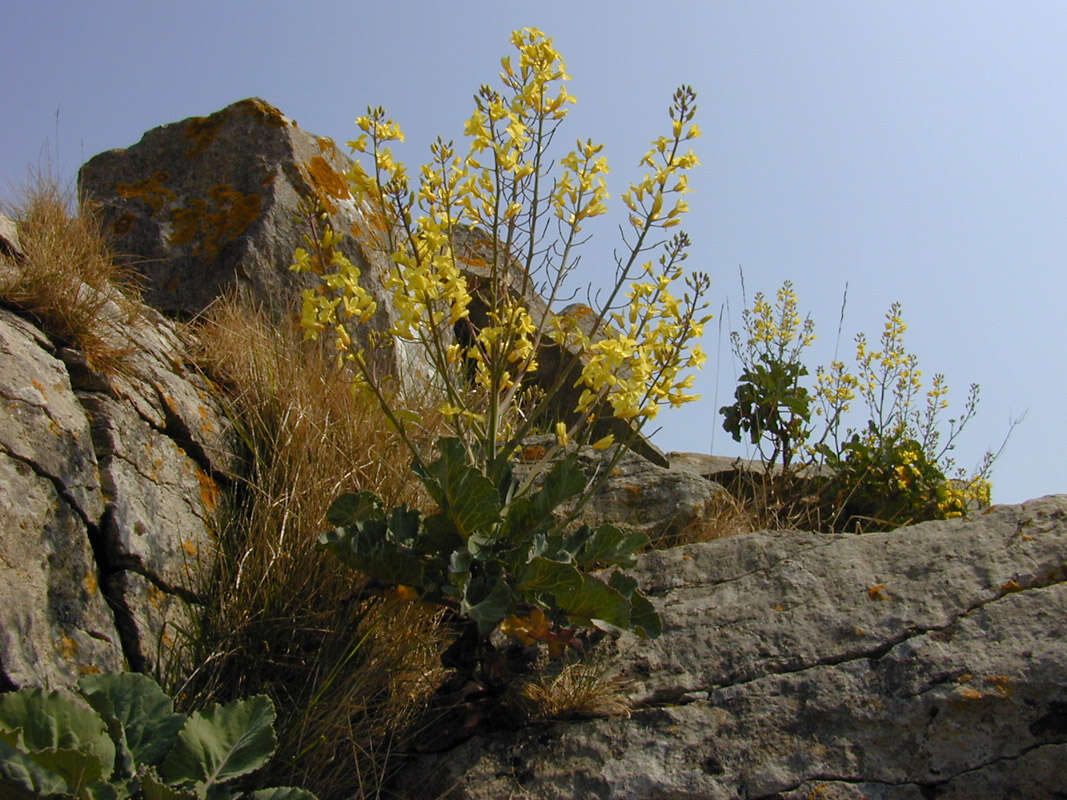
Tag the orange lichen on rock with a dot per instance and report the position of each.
(201, 131)
(209, 490)
(327, 183)
(210, 226)
(876, 592)
(267, 113)
(534, 452)
(150, 190)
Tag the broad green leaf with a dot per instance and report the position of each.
(349, 509)
(77, 768)
(576, 594)
(596, 600)
(610, 546)
(281, 793)
(553, 577)
(534, 512)
(21, 778)
(643, 617)
(153, 788)
(58, 731)
(466, 497)
(439, 535)
(222, 743)
(367, 548)
(488, 612)
(140, 715)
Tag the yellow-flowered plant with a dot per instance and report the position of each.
(479, 251)
(890, 472)
(770, 404)
(476, 225)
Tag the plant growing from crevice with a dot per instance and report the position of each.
(493, 551)
(66, 279)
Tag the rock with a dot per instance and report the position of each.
(55, 625)
(924, 662)
(110, 482)
(9, 239)
(213, 204)
(667, 505)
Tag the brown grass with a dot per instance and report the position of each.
(348, 674)
(579, 690)
(68, 282)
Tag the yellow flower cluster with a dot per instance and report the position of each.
(774, 332)
(632, 360)
(341, 299)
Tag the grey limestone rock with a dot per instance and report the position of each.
(109, 486)
(924, 662)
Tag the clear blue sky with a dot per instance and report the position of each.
(916, 150)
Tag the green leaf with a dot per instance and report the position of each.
(367, 548)
(153, 788)
(222, 743)
(466, 497)
(60, 732)
(643, 617)
(534, 512)
(610, 545)
(488, 612)
(349, 509)
(281, 793)
(576, 594)
(21, 778)
(139, 714)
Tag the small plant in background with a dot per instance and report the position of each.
(771, 406)
(890, 473)
(493, 549)
(119, 737)
(895, 471)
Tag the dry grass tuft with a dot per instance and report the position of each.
(348, 674)
(575, 691)
(68, 282)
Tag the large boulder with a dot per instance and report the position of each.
(925, 662)
(110, 481)
(215, 204)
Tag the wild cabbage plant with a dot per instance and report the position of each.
(891, 471)
(117, 736)
(494, 547)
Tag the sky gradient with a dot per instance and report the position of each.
(914, 151)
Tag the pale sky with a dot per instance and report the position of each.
(915, 150)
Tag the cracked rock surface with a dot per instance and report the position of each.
(928, 662)
(107, 489)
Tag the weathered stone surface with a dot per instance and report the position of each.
(113, 481)
(667, 505)
(213, 204)
(9, 238)
(54, 622)
(924, 662)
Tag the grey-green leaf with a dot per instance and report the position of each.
(281, 793)
(222, 743)
(21, 778)
(139, 712)
(59, 732)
